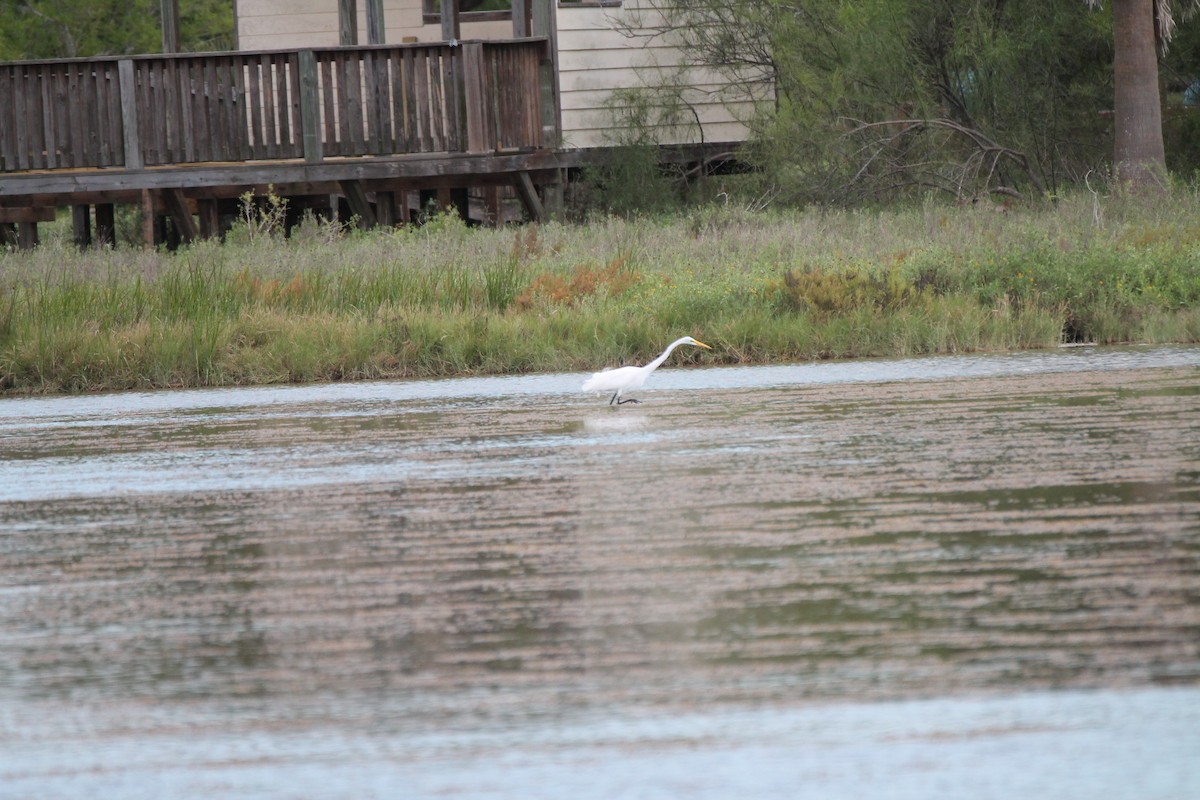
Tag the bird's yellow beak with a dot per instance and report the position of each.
(699, 343)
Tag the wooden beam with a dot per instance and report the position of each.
(347, 22)
(27, 214)
(439, 175)
(177, 208)
(375, 28)
(529, 196)
(17, 187)
(359, 204)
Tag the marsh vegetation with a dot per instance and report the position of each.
(443, 299)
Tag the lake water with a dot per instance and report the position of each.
(922, 578)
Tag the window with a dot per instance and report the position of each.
(471, 10)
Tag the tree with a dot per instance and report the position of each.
(1140, 29)
(876, 98)
(37, 29)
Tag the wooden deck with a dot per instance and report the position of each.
(181, 134)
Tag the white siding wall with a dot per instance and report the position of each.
(284, 24)
(595, 59)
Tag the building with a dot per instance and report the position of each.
(374, 106)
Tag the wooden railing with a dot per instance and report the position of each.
(470, 97)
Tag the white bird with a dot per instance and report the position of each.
(622, 378)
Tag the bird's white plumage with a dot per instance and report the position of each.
(612, 379)
(625, 378)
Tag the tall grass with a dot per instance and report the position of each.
(447, 300)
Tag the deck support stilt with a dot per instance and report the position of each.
(359, 205)
(106, 225)
(81, 226)
(149, 239)
(210, 218)
(385, 209)
(529, 196)
(27, 235)
(177, 209)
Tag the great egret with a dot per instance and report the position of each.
(622, 378)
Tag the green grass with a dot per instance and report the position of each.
(446, 300)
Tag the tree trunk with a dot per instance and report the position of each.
(1138, 152)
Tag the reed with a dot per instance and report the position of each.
(447, 300)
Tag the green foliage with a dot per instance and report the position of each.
(259, 217)
(40, 29)
(822, 292)
(631, 179)
(880, 99)
(448, 300)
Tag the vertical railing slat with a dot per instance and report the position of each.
(7, 121)
(476, 97)
(310, 106)
(238, 110)
(131, 155)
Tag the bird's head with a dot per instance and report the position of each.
(696, 342)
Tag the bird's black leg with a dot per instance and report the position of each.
(629, 400)
(614, 398)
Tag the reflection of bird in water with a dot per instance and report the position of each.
(622, 378)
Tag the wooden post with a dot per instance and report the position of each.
(27, 235)
(480, 134)
(178, 210)
(170, 25)
(450, 22)
(347, 22)
(520, 18)
(543, 24)
(129, 115)
(385, 209)
(27, 220)
(210, 218)
(359, 205)
(375, 27)
(529, 197)
(106, 225)
(310, 108)
(149, 240)
(460, 199)
(81, 226)
(492, 206)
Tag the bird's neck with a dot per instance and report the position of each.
(658, 361)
